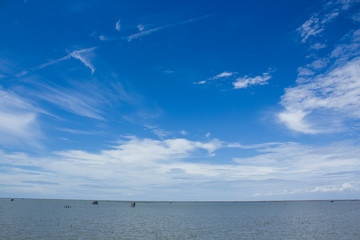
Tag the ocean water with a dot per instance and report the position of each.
(79, 219)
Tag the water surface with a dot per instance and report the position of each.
(79, 219)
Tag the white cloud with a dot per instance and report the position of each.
(140, 27)
(335, 188)
(143, 166)
(144, 33)
(318, 46)
(200, 82)
(294, 120)
(246, 81)
(73, 101)
(103, 38)
(317, 23)
(18, 120)
(356, 17)
(311, 27)
(218, 76)
(311, 68)
(223, 75)
(117, 25)
(161, 133)
(324, 101)
(84, 55)
(183, 132)
(78, 131)
(156, 29)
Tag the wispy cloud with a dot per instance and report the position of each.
(356, 17)
(169, 164)
(83, 55)
(318, 46)
(117, 26)
(335, 188)
(73, 101)
(246, 81)
(161, 133)
(79, 132)
(140, 27)
(147, 32)
(323, 101)
(18, 120)
(103, 38)
(311, 27)
(223, 75)
(317, 23)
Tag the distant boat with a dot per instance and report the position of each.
(133, 204)
(95, 202)
(331, 200)
(12, 200)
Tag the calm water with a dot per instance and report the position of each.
(48, 219)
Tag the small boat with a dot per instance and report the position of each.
(95, 202)
(133, 204)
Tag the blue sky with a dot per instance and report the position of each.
(189, 100)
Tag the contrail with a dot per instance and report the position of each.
(147, 32)
(74, 54)
(77, 54)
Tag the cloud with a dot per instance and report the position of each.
(324, 101)
(117, 26)
(80, 132)
(246, 81)
(103, 38)
(317, 23)
(200, 82)
(73, 101)
(311, 68)
(144, 33)
(311, 27)
(294, 161)
(318, 46)
(83, 55)
(181, 168)
(356, 17)
(223, 75)
(335, 188)
(183, 132)
(140, 27)
(18, 120)
(147, 32)
(161, 133)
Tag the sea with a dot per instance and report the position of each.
(81, 219)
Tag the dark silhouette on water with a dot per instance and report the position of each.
(133, 204)
(95, 202)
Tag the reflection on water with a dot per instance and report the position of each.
(73, 219)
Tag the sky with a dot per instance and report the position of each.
(180, 100)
